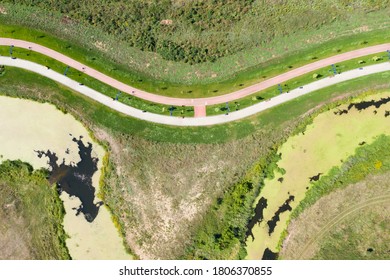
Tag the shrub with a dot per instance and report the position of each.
(316, 76)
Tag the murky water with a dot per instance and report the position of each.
(333, 136)
(76, 178)
(283, 208)
(269, 255)
(46, 138)
(258, 218)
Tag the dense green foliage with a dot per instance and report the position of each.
(31, 198)
(199, 31)
(368, 159)
(222, 235)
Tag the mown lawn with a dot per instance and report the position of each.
(213, 134)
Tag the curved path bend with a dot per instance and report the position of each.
(198, 103)
(200, 121)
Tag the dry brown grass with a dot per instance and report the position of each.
(347, 221)
(3, 10)
(161, 191)
(14, 238)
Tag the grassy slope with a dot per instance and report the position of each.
(297, 82)
(227, 76)
(188, 111)
(365, 230)
(95, 84)
(32, 213)
(74, 102)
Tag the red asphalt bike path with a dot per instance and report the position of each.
(198, 103)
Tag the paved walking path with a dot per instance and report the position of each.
(199, 121)
(198, 102)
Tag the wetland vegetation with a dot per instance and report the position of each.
(312, 154)
(73, 169)
(349, 203)
(31, 214)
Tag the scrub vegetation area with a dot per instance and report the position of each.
(199, 31)
(31, 214)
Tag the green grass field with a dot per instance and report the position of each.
(350, 223)
(367, 234)
(297, 82)
(74, 102)
(97, 85)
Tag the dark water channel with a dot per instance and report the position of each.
(261, 205)
(76, 179)
(285, 207)
(269, 255)
(365, 105)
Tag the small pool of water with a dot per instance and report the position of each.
(76, 178)
(45, 137)
(331, 138)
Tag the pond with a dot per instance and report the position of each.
(331, 138)
(45, 137)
